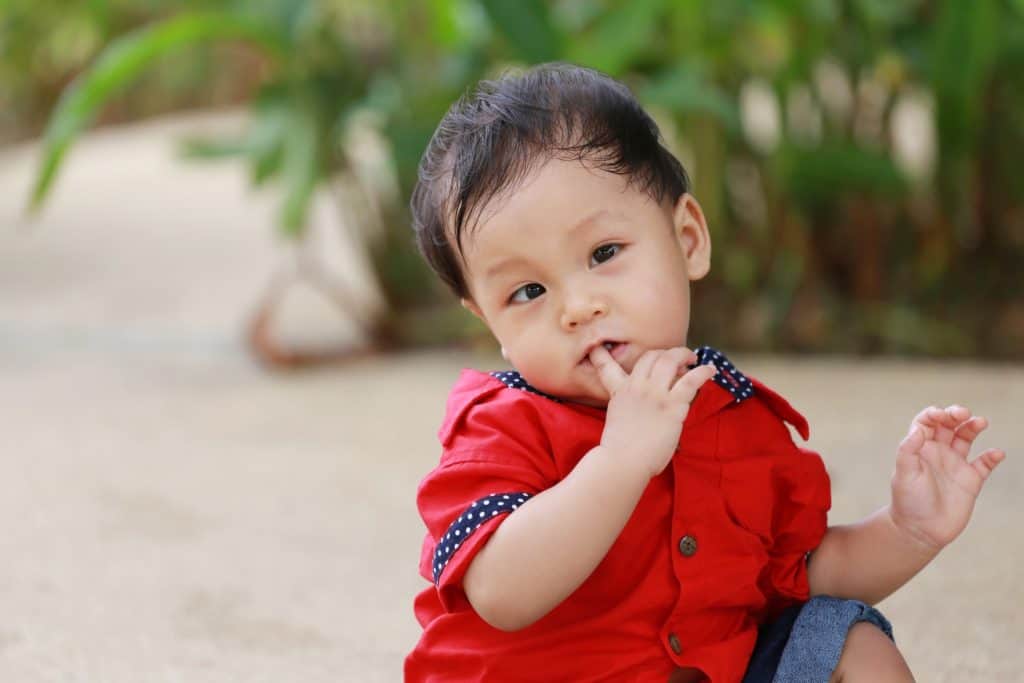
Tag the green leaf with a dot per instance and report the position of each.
(204, 149)
(266, 141)
(906, 329)
(965, 45)
(619, 36)
(683, 90)
(820, 175)
(443, 24)
(261, 145)
(124, 61)
(301, 167)
(528, 26)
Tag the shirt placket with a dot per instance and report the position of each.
(689, 539)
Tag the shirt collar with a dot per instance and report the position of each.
(729, 387)
(738, 386)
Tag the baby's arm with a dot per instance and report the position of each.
(549, 546)
(934, 489)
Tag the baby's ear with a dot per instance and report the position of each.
(691, 231)
(471, 306)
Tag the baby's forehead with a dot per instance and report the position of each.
(479, 218)
(557, 203)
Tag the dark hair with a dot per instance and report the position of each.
(491, 139)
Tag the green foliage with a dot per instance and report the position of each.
(825, 239)
(686, 92)
(965, 47)
(822, 175)
(45, 43)
(123, 62)
(527, 27)
(618, 36)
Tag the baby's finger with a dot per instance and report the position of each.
(988, 461)
(951, 418)
(925, 420)
(908, 462)
(643, 365)
(689, 362)
(913, 441)
(958, 414)
(970, 429)
(666, 368)
(609, 371)
(967, 432)
(938, 419)
(938, 424)
(943, 435)
(941, 416)
(686, 386)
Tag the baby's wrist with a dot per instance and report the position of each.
(616, 443)
(623, 460)
(911, 537)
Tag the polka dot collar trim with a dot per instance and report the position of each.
(513, 380)
(728, 377)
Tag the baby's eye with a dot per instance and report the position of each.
(527, 293)
(604, 253)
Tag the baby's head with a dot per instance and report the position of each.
(548, 204)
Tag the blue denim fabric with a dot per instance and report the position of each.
(803, 645)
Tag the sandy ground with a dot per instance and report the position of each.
(175, 513)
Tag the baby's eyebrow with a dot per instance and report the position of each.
(586, 223)
(502, 265)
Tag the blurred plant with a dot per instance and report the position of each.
(45, 43)
(832, 230)
(828, 235)
(324, 62)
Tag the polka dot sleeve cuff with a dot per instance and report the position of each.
(471, 520)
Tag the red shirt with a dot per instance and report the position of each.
(716, 545)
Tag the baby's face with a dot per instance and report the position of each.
(575, 258)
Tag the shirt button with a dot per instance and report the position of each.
(687, 545)
(673, 642)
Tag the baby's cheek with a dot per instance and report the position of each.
(533, 357)
(669, 313)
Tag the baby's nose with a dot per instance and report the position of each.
(582, 311)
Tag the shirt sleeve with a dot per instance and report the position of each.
(803, 498)
(495, 459)
(800, 500)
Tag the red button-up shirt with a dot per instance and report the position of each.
(749, 502)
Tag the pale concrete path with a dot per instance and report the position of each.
(175, 513)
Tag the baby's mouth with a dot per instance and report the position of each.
(610, 346)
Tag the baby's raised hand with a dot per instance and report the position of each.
(934, 486)
(648, 405)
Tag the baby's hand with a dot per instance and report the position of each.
(934, 486)
(647, 406)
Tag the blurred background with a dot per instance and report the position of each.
(186, 186)
(857, 157)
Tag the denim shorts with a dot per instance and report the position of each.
(803, 645)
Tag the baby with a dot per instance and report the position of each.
(604, 512)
